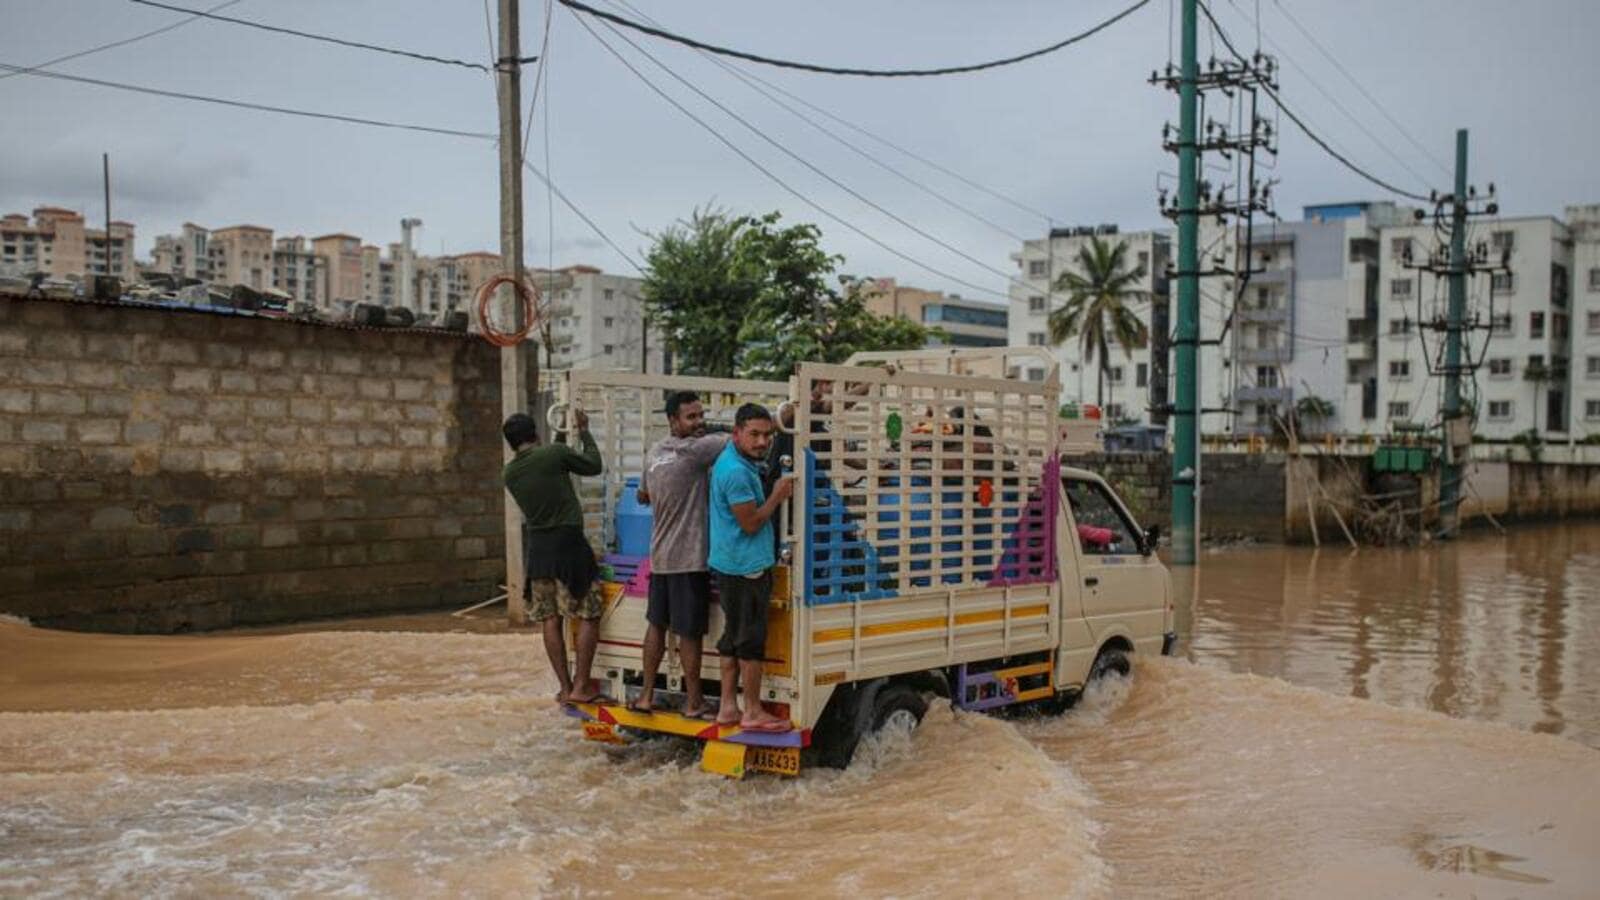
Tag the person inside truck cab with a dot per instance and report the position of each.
(1089, 507)
(561, 571)
(674, 484)
(742, 556)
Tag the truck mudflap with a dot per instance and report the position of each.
(729, 750)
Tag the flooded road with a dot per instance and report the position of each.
(1418, 723)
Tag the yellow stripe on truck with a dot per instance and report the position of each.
(830, 635)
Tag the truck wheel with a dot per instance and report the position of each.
(898, 703)
(1110, 660)
(851, 716)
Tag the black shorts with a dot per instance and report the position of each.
(744, 615)
(680, 602)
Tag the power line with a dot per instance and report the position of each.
(120, 43)
(1306, 129)
(550, 185)
(242, 104)
(751, 82)
(1337, 103)
(424, 57)
(837, 70)
(1422, 148)
(804, 162)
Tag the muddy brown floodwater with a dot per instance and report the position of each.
(1393, 723)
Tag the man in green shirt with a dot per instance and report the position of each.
(561, 570)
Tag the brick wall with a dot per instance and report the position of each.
(1244, 493)
(168, 470)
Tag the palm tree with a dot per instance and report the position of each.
(1099, 307)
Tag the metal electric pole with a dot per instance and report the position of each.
(515, 363)
(1456, 321)
(1186, 337)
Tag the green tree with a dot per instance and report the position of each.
(1312, 414)
(700, 279)
(753, 297)
(1099, 307)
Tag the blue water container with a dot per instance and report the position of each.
(633, 521)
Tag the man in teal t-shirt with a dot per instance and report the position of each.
(742, 557)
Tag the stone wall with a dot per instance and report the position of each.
(168, 470)
(1244, 493)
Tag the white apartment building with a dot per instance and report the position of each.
(1304, 320)
(1528, 311)
(1138, 379)
(297, 271)
(598, 321)
(187, 254)
(1584, 223)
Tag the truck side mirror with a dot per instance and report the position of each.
(1152, 539)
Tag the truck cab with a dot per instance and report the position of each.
(936, 547)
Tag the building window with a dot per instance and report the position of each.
(1266, 376)
(1265, 412)
(610, 349)
(1113, 412)
(1400, 288)
(1536, 325)
(609, 293)
(607, 322)
(1141, 375)
(1503, 283)
(1500, 368)
(1499, 410)
(1503, 241)
(1400, 248)
(1399, 410)
(1594, 279)
(1400, 369)
(1144, 261)
(1037, 268)
(1399, 327)
(1591, 409)
(1036, 304)
(1114, 374)
(1593, 322)
(1591, 366)
(1035, 339)
(1035, 374)
(1502, 324)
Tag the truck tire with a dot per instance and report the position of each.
(855, 712)
(1111, 659)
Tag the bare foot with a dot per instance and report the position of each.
(561, 696)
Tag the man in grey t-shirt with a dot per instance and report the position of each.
(674, 484)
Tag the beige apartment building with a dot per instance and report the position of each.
(243, 255)
(343, 275)
(58, 244)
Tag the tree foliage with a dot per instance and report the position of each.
(1099, 307)
(748, 296)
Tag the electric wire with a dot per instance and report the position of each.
(1301, 123)
(1331, 98)
(1404, 132)
(810, 166)
(600, 232)
(243, 104)
(120, 43)
(312, 36)
(614, 19)
(924, 188)
(538, 75)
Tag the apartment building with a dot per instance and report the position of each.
(1584, 224)
(343, 278)
(598, 321)
(186, 254)
(242, 254)
(298, 271)
(1525, 380)
(965, 323)
(1304, 321)
(58, 243)
(1136, 388)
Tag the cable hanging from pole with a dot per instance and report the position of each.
(577, 6)
(1306, 129)
(358, 45)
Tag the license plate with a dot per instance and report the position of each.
(778, 760)
(602, 731)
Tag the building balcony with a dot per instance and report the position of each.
(1361, 351)
(1260, 394)
(1283, 276)
(1263, 314)
(1264, 355)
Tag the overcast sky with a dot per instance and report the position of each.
(1075, 134)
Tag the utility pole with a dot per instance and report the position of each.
(516, 365)
(105, 176)
(1452, 471)
(1186, 340)
(1456, 263)
(1240, 82)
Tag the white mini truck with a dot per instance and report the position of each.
(935, 546)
